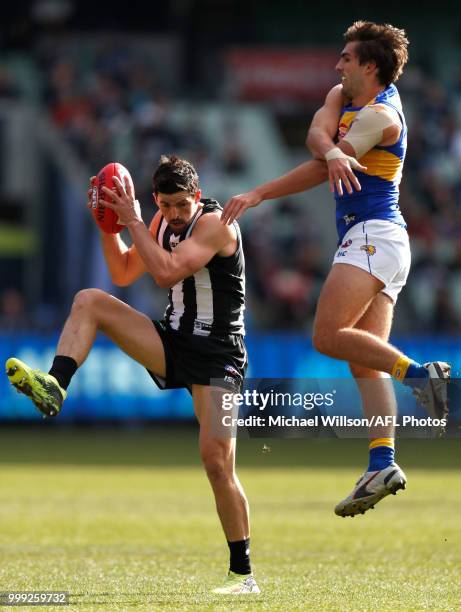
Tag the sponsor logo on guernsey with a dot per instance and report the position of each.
(349, 218)
(200, 325)
(230, 380)
(368, 248)
(233, 371)
(346, 244)
(232, 376)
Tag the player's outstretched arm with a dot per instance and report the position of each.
(320, 141)
(303, 177)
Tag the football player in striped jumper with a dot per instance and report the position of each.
(198, 345)
(358, 139)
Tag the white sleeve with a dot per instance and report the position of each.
(367, 128)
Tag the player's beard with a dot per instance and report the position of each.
(178, 226)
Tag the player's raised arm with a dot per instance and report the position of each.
(303, 177)
(209, 237)
(191, 255)
(324, 126)
(376, 124)
(124, 263)
(320, 140)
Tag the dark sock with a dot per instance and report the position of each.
(240, 556)
(63, 369)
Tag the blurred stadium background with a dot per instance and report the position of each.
(231, 85)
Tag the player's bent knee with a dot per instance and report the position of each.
(88, 298)
(323, 342)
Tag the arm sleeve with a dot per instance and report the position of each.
(367, 128)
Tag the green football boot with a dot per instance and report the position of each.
(43, 389)
(237, 584)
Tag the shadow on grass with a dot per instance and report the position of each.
(175, 446)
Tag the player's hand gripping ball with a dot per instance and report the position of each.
(106, 218)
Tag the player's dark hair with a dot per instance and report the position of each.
(383, 44)
(174, 174)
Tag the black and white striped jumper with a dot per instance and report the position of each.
(212, 301)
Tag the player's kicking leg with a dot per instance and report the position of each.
(338, 333)
(217, 450)
(383, 476)
(92, 310)
(336, 336)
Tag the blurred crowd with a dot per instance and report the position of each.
(111, 105)
(431, 201)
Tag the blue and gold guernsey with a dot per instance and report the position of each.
(379, 197)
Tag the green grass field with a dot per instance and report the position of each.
(126, 520)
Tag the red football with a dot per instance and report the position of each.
(105, 217)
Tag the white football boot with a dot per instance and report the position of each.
(238, 584)
(370, 489)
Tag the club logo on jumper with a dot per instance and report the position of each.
(349, 218)
(174, 241)
(368, 248)
(346, 244)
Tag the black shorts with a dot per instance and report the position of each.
(192, 359)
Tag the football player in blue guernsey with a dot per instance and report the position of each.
(199, 344)
(358, 139)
